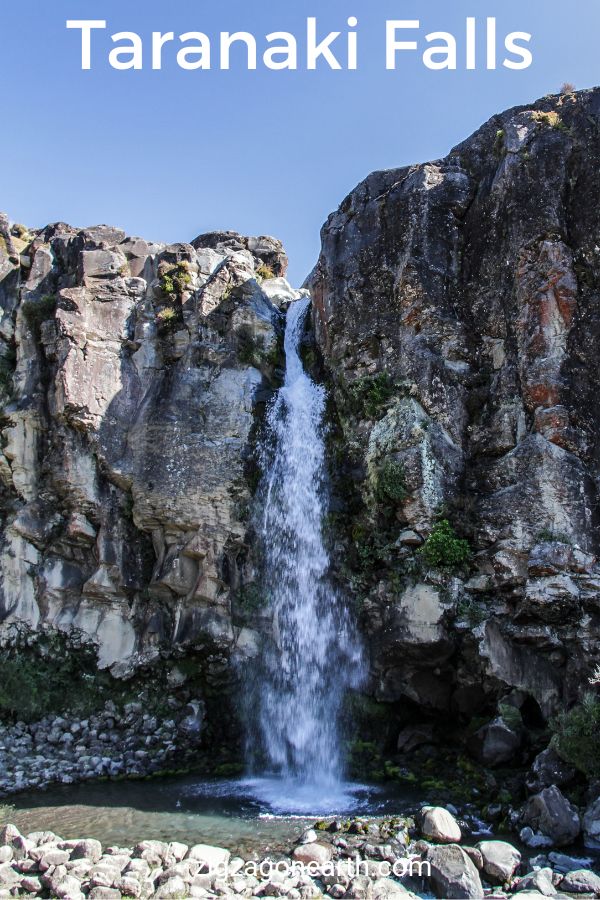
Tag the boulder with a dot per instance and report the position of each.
(500, 860)
(87, 849)
(581, 881)
(548, 769)
(437, 824)
(550, 813)
(540, 880)
(211, 859)
(453, 875)
(591, 825)
(314, 852)
(495, 743)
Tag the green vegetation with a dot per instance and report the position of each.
(265, 272)
(252, 597)
(37, 311)
(499, 146)
(471, 611)
(443, 548)
(167, 316)
(577, 735)
(174, 279)
(511, 716)
(390, 484)
(551, 119)
(21, 232)
(50, 678)
(367, 396)
(251, 352)
(548, 534)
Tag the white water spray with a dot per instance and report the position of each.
(313, 657)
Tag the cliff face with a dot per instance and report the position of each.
(132, 374)
(457, 308)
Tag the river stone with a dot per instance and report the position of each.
(387, 888)
(39, 838)
(177, 850)
(31, 884)
(475, 856)
(87, 849)
(317, 853)
(210, 858)
(53, 858)
(563, 863)
(138, 867)
(102, 875)
(551, 813)
(8, 876)
(8, 833)
(591, 826)
(541, 881)
(453, 875)
(129, 886)
(548, 769)
(581, 881)
(533, 840)
(309, 837)
(69, 889)
(159, 848)
(359, 888)
(6, 854)
(437, 824)
(500, 860)
(173, 889)
(104, 893)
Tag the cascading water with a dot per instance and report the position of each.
(313, 657)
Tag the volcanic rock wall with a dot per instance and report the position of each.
(132, 374)
(457, 308)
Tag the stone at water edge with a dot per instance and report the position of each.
(581, 881)
(313, 853)
(541, 881)
(309, 837)
(453, 874)
(591, 826)
(211, 858)
(500, 860)
(536, 841)
(550, 813)
(548, 769)
(563, 863)
(437, 824)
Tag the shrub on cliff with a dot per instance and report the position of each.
(443, 548)
(174, 279)
(367, 396)
(390, 485)
(577, 735)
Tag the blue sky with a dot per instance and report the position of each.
(170, 154)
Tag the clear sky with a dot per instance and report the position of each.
(170, 154)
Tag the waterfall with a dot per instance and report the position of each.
(313, 656)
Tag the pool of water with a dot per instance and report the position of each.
(249, 816)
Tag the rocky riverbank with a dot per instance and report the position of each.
(112, 743)
(433, 853)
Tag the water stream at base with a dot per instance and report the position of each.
(314, 656)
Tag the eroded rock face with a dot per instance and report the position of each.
(132, 374)
(456, 307)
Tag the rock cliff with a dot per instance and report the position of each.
(132, 378)
(457, 309)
